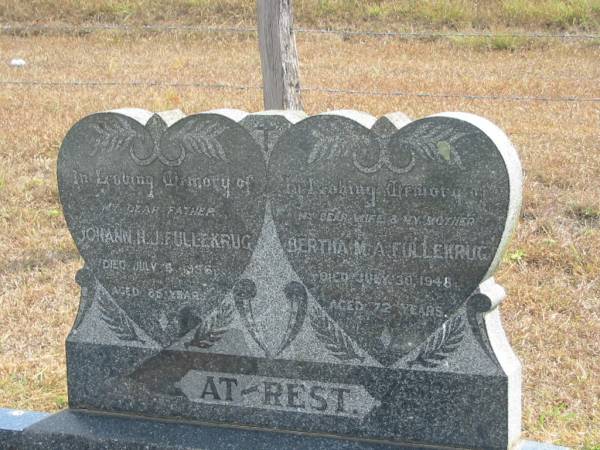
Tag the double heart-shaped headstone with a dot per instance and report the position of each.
(390, 230)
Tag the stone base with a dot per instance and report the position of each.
(12, 424)
(75, 430)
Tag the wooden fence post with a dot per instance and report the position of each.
(278, 55)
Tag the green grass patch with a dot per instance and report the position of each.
(517, 256)
(444, 13)
(499, 42)
(196, 3)
(34, 182)
(552, 13)
(559, 412)
(61, 401)
(118, 10)
(586, 213)
(375, 11)
(593, 43)
(53, 213)
(569, 15)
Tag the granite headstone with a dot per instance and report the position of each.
(330, 274)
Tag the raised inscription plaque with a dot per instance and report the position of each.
(326, 274)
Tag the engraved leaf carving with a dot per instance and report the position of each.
(325, 149)
(112, 134)
(313, 156)
(202, 138)
(297, 298)
(212, 329)
(436, 143)
(439, 346)
(332, 336)
(244, 293)
(118, 322)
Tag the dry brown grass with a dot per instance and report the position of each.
(552, 270)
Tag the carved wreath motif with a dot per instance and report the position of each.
(443, 342)
(116, 319)
(213, 327)
(115, 132)
(203, 140)
(436, 143)
(332, 336)
(432, 142)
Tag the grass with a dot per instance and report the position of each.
(586, 213)
(551, 271)
(498, 42)
(552, 13)
(379, 14)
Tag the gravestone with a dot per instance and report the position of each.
(327, 275)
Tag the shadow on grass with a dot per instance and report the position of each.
(37, 259)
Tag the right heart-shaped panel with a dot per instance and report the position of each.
(391, 234)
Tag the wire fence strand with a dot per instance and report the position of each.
(424, 34)
(89, 28)
(325, 90)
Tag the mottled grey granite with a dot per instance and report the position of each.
(165, 219)
(329, 274)
(266, 127)
(390, 236)
(12, 424)
(79, 429)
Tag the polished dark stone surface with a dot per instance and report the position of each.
(80, 429)
(76, 430)
(12, 424)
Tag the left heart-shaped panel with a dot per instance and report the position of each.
(166, 218)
